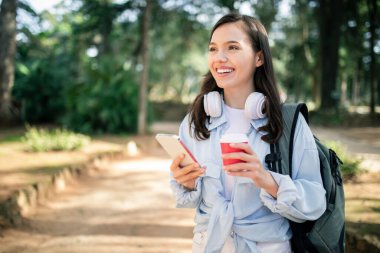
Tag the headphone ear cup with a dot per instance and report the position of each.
(212, 103)
(254, 106)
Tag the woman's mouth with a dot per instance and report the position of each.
(224, 71)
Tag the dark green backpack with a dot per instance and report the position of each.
(326, 234)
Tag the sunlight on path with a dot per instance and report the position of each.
(147, 164)
(126, 207)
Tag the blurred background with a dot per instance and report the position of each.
(83, 79)
(114, 66)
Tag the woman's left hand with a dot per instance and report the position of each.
(250, 167)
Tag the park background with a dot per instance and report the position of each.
(88, 74)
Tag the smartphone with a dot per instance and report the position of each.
(174, 147)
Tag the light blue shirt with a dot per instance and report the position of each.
(252, 215)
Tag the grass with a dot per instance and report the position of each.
(42, 140)
(19, 168)
(11, 138)
(343, 117)
(351, 164)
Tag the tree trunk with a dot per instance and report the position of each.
(106, 28)
(356, 82)
(343, 89)
(372, 9)
(330, 18)
(144, 73)
(7, 55)
(312, 62)
(316, 88)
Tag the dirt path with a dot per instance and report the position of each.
(359, 141)
(127, 207)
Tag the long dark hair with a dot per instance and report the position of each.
(263, 80)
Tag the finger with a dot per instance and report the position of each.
(190, 176)
(175, 164)
(190, 168)
(185, 170)
(244, 146)
(241, 156)
(241, 167)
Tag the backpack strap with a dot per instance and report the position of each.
(281, 162)
(290, 114)
(272, 159)
(303, 109)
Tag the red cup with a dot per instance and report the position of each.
(225, 142)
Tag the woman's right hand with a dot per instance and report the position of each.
(187, 175)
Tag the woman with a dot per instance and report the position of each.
(243, 207)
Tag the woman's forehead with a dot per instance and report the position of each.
(230, 32)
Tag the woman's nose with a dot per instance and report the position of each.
(221, 56)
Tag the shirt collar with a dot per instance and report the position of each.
(257, 123)
(215, 122)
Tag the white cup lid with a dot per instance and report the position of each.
(233, 138)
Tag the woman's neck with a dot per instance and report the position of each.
(236, 98)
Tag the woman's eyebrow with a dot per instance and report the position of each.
(227, 42)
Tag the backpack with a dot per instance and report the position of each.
(326, 234)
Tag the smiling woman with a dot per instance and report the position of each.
(243, 207)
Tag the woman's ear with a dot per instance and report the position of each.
(259, 60)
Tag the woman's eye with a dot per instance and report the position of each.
(233, 47)
(212, 49)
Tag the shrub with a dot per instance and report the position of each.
(104, 101)
(351, 164)
(41, 76)
(41, 140)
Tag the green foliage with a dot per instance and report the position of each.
(38, 91)
(44, 67)
(41, 140)
(10, 138)
(351, 164)
(80, 64)
(328, 117)
(178, 49)
(105, 100)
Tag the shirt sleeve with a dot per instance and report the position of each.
(184, 197)
(303, 197)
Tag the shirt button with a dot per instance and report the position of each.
(232, 233)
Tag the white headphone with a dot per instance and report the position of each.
(253, 109)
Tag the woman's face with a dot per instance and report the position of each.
(231, 58)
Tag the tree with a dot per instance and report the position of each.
(99, 22)
(144, 73)
(230, 4)
(372, 9)
(330, 19)
(351, 53)
(7, 55)
(266, 12)
(295, 52)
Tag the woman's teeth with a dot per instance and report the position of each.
(222, 71)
